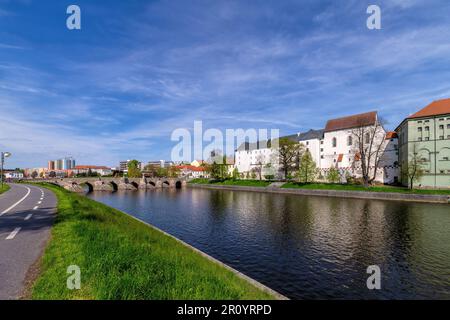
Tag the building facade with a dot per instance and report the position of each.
(335, 146)
(427, 133)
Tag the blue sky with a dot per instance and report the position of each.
(140, 69)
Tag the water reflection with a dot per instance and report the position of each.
(308, 247)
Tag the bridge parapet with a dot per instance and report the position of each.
(121, 183)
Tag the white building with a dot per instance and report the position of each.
(100, 170)
(190, 171)
(14, 175)
(335, 146)
(339, 147)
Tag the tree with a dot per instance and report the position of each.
(288, 153)
(133, 169)
(173, 172)
(235, 175)
(308, 169)
(34, 174)
(215, 170)
(413, 171)
(259, 165)
(333, 175)
(370, 142)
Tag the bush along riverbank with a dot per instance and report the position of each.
(332, 190)
(357, 187)
(122, 258)
(232, 182)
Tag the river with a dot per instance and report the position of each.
(307, 247)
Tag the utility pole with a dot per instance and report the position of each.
(3, 156)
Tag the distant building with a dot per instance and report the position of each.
(13, 175)
(189, 171)
(160, 163)
(427, 132)
(100, 170)
(61, 164)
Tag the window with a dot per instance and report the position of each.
(334, 142)
(321, 149)
(427, 138)
(321, 141)
(427, 121)
(420, 121)
(427, 128)
(367, 138)
(441, 137)
(448, 126)
(441, 119)
(321, 157)
(445, 158)
(441, 126)
(419, 129)
(349, 140)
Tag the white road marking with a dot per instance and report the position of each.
(39, 202)
(28, 216)
(18, 202)
(13, 234)
(35, 208)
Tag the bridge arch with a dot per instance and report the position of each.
(165, 184)
(151, 183)
(134, 184)
(87, 184)
(178, 184)
(114, 185)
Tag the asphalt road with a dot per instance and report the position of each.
(26, 216)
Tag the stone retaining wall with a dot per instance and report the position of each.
(336, 193)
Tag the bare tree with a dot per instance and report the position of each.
(413, 171)
(368, 145)
(259, 165)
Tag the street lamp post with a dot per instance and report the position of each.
(3, 156)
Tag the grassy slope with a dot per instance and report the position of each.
(344, 187)
(4, 188)
(121, 258)
(249, 183)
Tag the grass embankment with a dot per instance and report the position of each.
(122, 258)
(354, 187)
(230, 182)
(4, 188)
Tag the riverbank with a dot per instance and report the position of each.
(4, 188)
(122, 258)
(343, 193)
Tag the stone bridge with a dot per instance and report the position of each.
(114, 184)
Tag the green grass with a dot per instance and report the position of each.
(4, 188)
(122, 258)
(351, 187)
(247, 183)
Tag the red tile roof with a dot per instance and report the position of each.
(191, 168)
(354, 121)
(80, 167)
(433, 109)
(391, 135)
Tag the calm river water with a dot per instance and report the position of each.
(307, 247)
